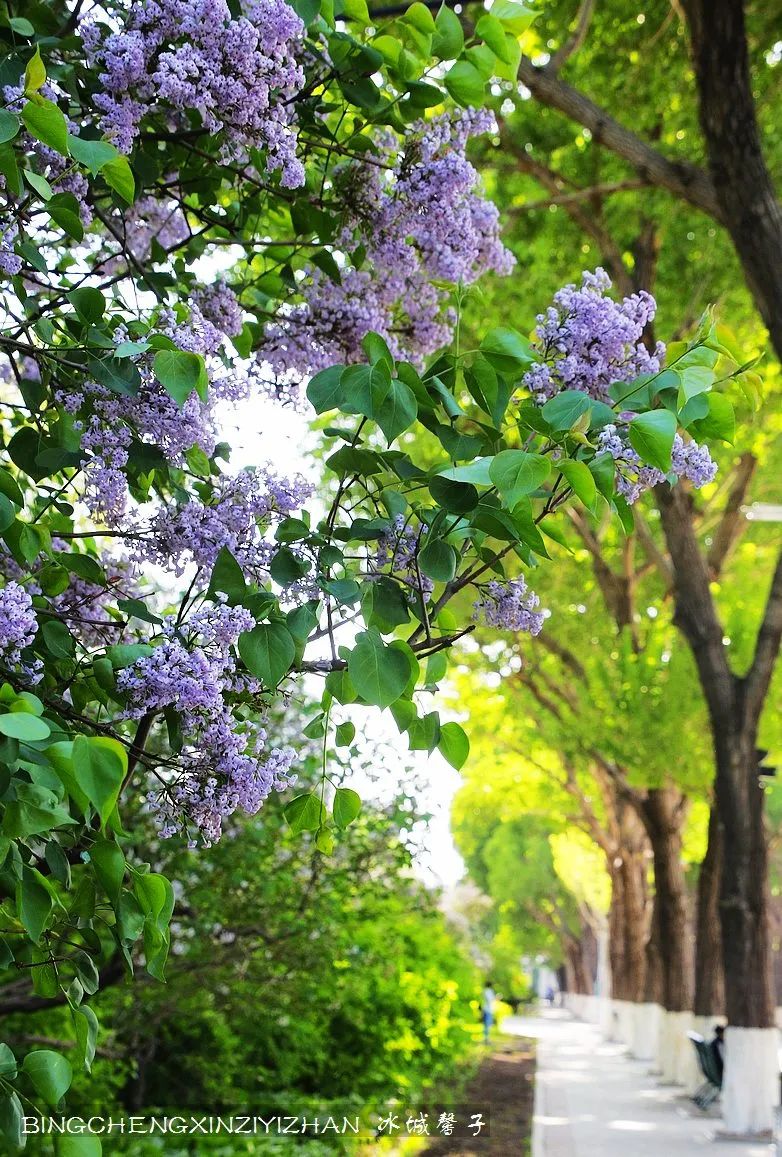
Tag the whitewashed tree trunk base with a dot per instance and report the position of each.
(647, 1031)
(673, 1057)
(750, 1089)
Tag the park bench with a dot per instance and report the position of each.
(708, 1092)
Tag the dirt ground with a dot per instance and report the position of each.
(504, 1082)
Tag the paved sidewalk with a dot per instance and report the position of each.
(591, 1100)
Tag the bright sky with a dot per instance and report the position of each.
(264, 432)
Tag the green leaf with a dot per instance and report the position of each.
(50, 1073)
(464, 83)
(516, 17)
(117, 173)
(398, 410)
(40, 184)
(7, 1063)
(345, 734)
(455, 497)
(11, 1120)
(373, 345)
(438, 560)
(347, 805)
(379, 672)
(63, 208)
(126, 654)
(156, 900)
(85, 1026)
(268, 651)
(651, 436)
(100, 765)
(20, 725)
(89, 303)
(516, 473)
(92, 154)
(179, 372)
(365, 388)
(44, 121)
(109, 863)
(493, 33)
(454, 745)
(720, 422)
(116, 374)
(34, 901)
(228, 578)
(21, 26)
(286, 567)
(9, 125)
(34, 74)
(448, 39)
(325, 390)
(563, 410)
(304, 813)
(506, 349)
(580, 479)
(478, 472)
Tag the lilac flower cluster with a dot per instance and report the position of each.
(419, 219)
(221, 768)
(150, 220)
(57, 170)
(108, 428)
(218, 304)
(215, 314)
(587, 341)
(509, 606)
(18, 624)
(182, 56)
(688, 460)
(397, 549)
(10, 261)
(240, 509)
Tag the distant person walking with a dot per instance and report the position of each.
(487, 1008)
(717, 1047)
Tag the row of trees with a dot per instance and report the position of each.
(653, 682)
(158, 604)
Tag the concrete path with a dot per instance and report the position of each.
(591, 1100)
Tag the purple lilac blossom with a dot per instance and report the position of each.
(221, 768)
(18, 624)
(587, 341)
(509, 606)
(397, 549)
(239, 74)
(420, 219)
(10, 261)
(633, 478)
(241, 508)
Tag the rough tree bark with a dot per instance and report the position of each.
(709, 997)
(748, 204)
(735, 704)
(664, 811)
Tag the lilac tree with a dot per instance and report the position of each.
(158, 601)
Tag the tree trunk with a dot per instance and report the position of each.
(742, 183)
(654, 988)
(629, 916)
(709, 975)
(664, 812)
(744, 894)
(579, 978)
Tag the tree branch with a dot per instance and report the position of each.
(681, 178)
(593, 192)
(587, 221)
(577, 37)
(767, 646)
(732, 521)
